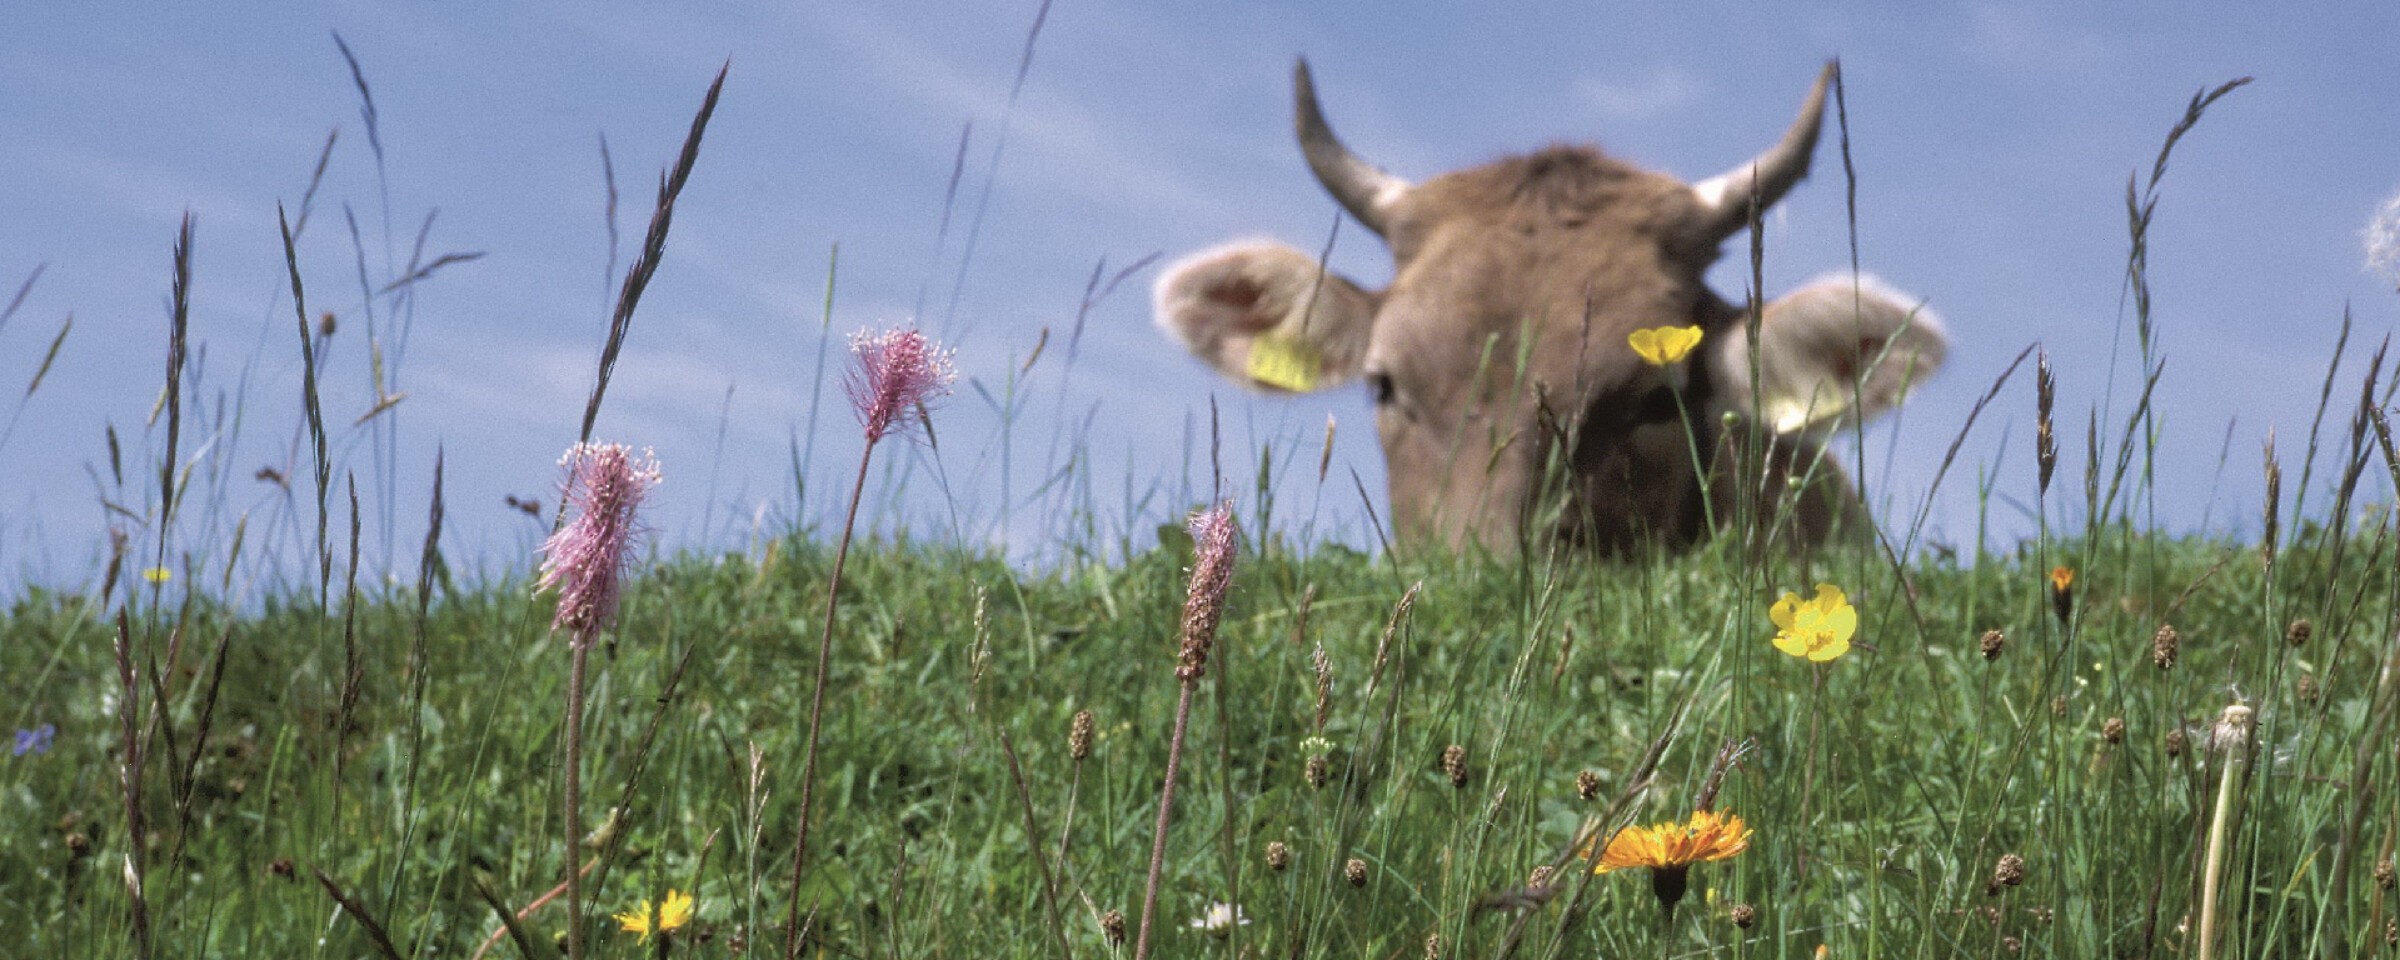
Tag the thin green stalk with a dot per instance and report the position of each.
(816, 696)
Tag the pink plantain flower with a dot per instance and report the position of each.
(584, 559)
(897, 371)
(1212, 571)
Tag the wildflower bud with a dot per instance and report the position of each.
(1212, 571)
(80, 846)
(1433, 946)
(1279, 856)
(2009, 872)
(2307, 688)
(2298, 633)
(2175, 742)
(1355, 871)
(1539, 878)
(1454, 765)
(1992, 643)
(2112, 730)
(1112, 926)
(1079, 736)
(2012, 945)
(2062, 594)
(325, 324)
(1587, 785)
(1745, 916)
(1317, 770)
(2384, 874)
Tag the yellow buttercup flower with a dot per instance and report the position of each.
(1659, 346)
(1673, 846)
(1818, 629)
(157, 574)
(671, 915)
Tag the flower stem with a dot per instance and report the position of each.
(2238, 718)
(1166, 805)
(578, 650)
(816, 696)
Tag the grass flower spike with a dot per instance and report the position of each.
(587, 557)
(1212, 571)
(670, 916)
(1660, 346)
(896, 372)
(1818, 629)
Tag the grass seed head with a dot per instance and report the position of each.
(1454, 765)
(1433, 946)
(2175, 742)
(1079, 735)
(2009, 872)
(2164, 645)
(1317, 770)
(1212, 571)
(2306, 688)
(1539, 878)
(2385, 875)
(2112, 730)
(1355, 871)
(1744, 915)
(1587, 785)
(1112, 927)
(1279, 856)
(2298, 633)
(1992, 643)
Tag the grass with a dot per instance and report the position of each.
(1384, 754)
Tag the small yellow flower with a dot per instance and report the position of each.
(672, 915)
(1818, 629)
(157, 574)
(2062, 594)
(1659, 346)
(2062, 578)
(1673, 846)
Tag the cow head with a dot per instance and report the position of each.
(1507, 397)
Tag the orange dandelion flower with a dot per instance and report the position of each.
(2062, 593)
(1670, 849)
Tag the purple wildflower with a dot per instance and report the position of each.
(897, 371)
(34, 741)
(584, 559)
(1212, 571)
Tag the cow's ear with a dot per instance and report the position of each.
(1838, 350)
(1267, 315)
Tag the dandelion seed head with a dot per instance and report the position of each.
(2382, 238)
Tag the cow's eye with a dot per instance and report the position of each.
(1380, 385)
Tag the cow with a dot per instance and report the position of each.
(1512, 408)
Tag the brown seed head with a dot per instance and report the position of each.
(1454, 765)
(1323, 665)
(80, 846)
(1279, 855)
(2307, 688)
(1744, 915)
(1318, 770)
(2045, 440)
(1539, 878)
(1587, 785)
(2112, 730)
(1992, 643)
(2012, 945)
(2391, 932)
(2164, 645)
(2009, 872)
(1433, 946)
(325, 324)
(1112, 926)
(281, 868)
(2058, 705)
(1079, 735)
(2384, 874)
(1355, 871)
(2175, 742)
(2298, 633)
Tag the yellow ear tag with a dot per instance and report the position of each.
(1285, 364)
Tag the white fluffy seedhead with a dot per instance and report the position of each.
(1839, 350)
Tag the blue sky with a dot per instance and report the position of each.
(1993, 144)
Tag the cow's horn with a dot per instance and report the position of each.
(1363, 189)
(1726, 196)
